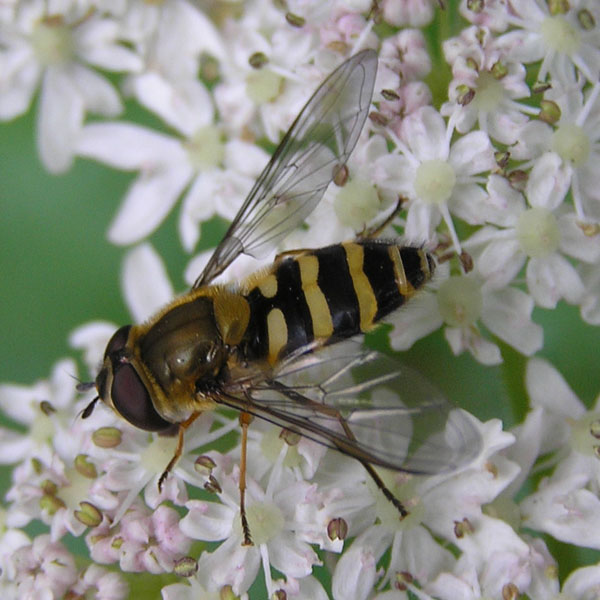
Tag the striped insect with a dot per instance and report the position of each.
(280, 345)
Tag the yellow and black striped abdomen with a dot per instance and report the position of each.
(330, 294)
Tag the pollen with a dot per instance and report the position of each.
(435, 181)
(265, 521)
(77, 490)
(206, 148)
(537, 232)
(572, 144)
(158, 454)
(263, 86)
(489, 92)
(52, 42)
(356, 204)
(559, 35)
(460, 301)
(585, 434)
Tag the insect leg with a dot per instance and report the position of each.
(245, 420)
(371, 471)
(373, 232)
(179, 449)
(345, 449)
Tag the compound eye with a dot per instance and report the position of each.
(132, 401)
(117, 341)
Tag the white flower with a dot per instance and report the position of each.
(495, 563)
(439, 177)
(46, 409)
(265, 99)
(460, 303)
(480, 68)
(436, 505)
(574, 140)
(565, 504)
(52, 51)
(590, 299)
(542, 235)
(562, 40)
(583, 583)
(273, 525)
(171, 40)
(211, 174)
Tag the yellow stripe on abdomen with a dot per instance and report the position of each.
(317, 304)
(277, 333)
(367, 302)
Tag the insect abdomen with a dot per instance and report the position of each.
(330, 294)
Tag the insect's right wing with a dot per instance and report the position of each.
(317, 144)
(366, 405)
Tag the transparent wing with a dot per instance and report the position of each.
(317, 144)
(366, 405)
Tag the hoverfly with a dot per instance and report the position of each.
(277, 345)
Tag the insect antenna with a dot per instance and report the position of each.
(89, 409)
(84, 386)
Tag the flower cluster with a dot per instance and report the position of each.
(491, 152)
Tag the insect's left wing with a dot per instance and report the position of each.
(368, 406)
(317, 144)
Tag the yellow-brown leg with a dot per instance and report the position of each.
(179, 449)
(373, 232)
(245, 420)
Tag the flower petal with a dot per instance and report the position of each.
(60, 118)
(507, 314)
(146, 286)
(147, 203)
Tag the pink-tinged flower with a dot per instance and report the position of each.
(346, 29)
(493, 14)
(99, 584)
(406, 56)
(53, 51)
(485, 87)
(411, 97)
(564, 42)
(414, 13)
(10, 541)
(43, 570)
(144, 540)
(61, 495)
